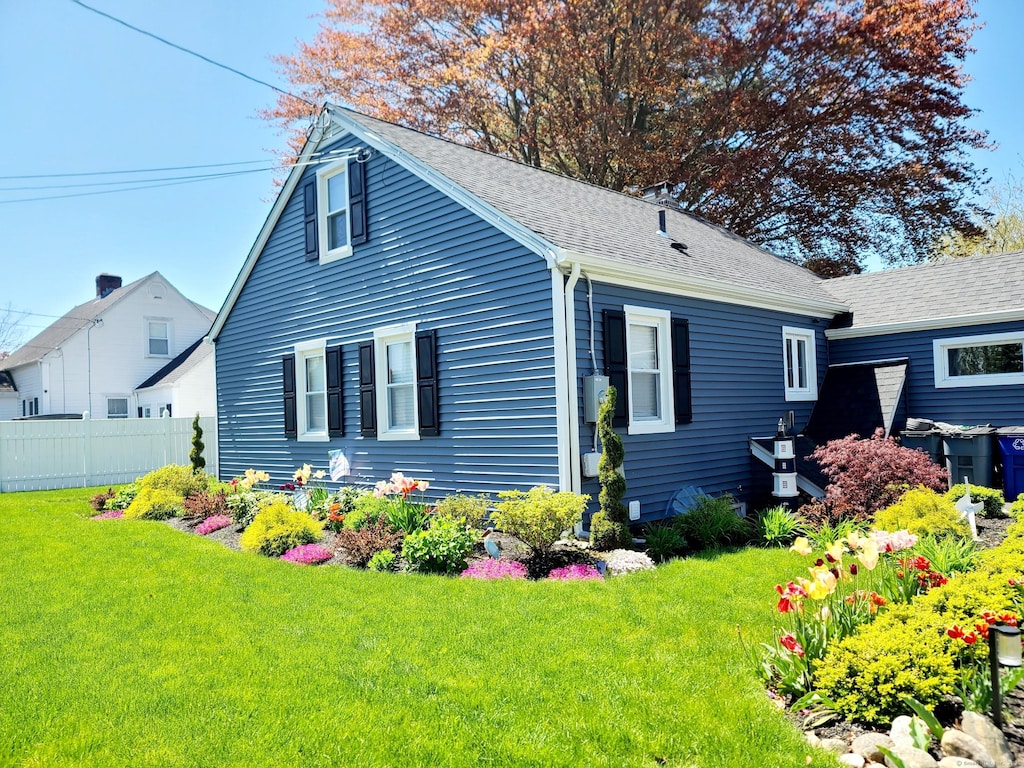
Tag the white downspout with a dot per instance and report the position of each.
(575, 473)
(563, 405)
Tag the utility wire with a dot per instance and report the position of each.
(137, 170)
(190, 52)
(123, 182)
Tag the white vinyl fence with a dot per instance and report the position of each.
(77, 453)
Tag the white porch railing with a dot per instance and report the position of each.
(77, 453)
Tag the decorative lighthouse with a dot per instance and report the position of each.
(784, 475)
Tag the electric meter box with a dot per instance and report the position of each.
(594, 389)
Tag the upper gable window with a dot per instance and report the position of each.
(800, 364)
(333, 219)
(158, 334)
(979, 361)
(649, 367)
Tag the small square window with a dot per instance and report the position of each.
(800, 368)
(117, 407)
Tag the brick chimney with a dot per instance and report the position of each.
(105, 284)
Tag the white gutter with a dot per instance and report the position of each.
(930, 324)
(575, 472)
(563, 406)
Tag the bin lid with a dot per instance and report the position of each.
(918, 432)
(920, 425)
(986, 429)
(1013, 431)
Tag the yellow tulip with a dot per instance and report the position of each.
(868, 554)
(801, 546)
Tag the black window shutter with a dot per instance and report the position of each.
(681, 370)
(335, 415)
(140, 411)
(357, 202)
(309, 220)
(288, 381)
(367, 391)
(614, 321)
(426, 382)
(168, 410)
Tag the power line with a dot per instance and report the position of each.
(122, 182)
(190, 52)
(137, 170)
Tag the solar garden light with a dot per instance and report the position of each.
(1004, 649)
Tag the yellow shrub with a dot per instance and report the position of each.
(278, 528)
(923, 511)
(154, 504)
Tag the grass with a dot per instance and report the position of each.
(131, 644)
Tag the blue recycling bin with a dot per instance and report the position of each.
(1011, 446)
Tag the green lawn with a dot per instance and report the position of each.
(130, 644)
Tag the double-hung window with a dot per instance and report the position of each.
(978, 361)
(117, 407)
(333, 215)
(311, 394)
(800, 364)
(158, 338)
(395, 360)
(649, 369)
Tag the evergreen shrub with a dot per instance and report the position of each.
(278, 528)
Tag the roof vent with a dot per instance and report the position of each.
(656, 193)
(106, 284)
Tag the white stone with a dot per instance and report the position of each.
(991, 738)
(912, 758)
(867, 744)
(959, 744)
(957, 762)
(900, 732)
(839, 746)
(853, 760)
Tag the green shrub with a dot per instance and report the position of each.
(154, 504)
(778, 526)
(123, 497)
(366, 510)
(441, 548)
(470, 510)
(278, 528)
(177, 478)
(382, 561)
(712, 523)
(949, 554)
(921, 511)
(606, 535)
(664, 541)
(993, 498)
(539, 516)
(243, 506)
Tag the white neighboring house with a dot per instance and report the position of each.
(9, 403)
(97, 356)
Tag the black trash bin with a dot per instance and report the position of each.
(929, 441)
(1011, 446)
(969, 454)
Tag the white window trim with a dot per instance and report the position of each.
(944, 381)
(810, 392)
(323, 175)
(317, 348)
(170, 336)
(381, 338)
(662, 320)
(128, 405)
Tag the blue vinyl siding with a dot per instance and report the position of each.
(738, 388)
(430, 261)
(1001, 406)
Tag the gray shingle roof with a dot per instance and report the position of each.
(189, 358)
(586, 219)
(933, 291)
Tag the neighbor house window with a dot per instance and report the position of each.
(978, 361)
(395, 375)
(333, 220)
(117, 407)
(158, 332)
(311, 394)
(649, 369)
(800, 364)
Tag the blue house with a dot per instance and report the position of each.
(428, 308)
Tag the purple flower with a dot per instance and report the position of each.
(113, 514)
(213, 523)
(571, 572)
(307, 554)
(495, 569)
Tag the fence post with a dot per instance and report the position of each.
(168, 439)
(87, 448)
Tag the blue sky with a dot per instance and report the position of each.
(83, 94)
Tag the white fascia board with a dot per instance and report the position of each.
(930, 324)
(663, 281)
(446, 186)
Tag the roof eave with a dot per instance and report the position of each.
(927, 324)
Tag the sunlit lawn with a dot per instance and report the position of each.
(131, 644)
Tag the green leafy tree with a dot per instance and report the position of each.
(196, 454)
(1000, 228)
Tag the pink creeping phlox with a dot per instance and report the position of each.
(307, 554)
(213, 523)
(113, 514)
(495, 569)
(574, 572)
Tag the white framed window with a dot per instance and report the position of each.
(649, 369)
(332, 211)
(158, 338)
(394, 354)
(311, 391)
(800, 363)
(147, 412)
(993, 359)
(117, 407)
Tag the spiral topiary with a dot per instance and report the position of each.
(196, 454)
(608, 526)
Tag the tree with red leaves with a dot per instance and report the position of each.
(824, 130)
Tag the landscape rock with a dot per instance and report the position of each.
(867, 744)
(900, 732)
(991, 738)
(839, 746)
(912, 758)
(957, 762)
(853, 760)
(959, 744)
(812, 738)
